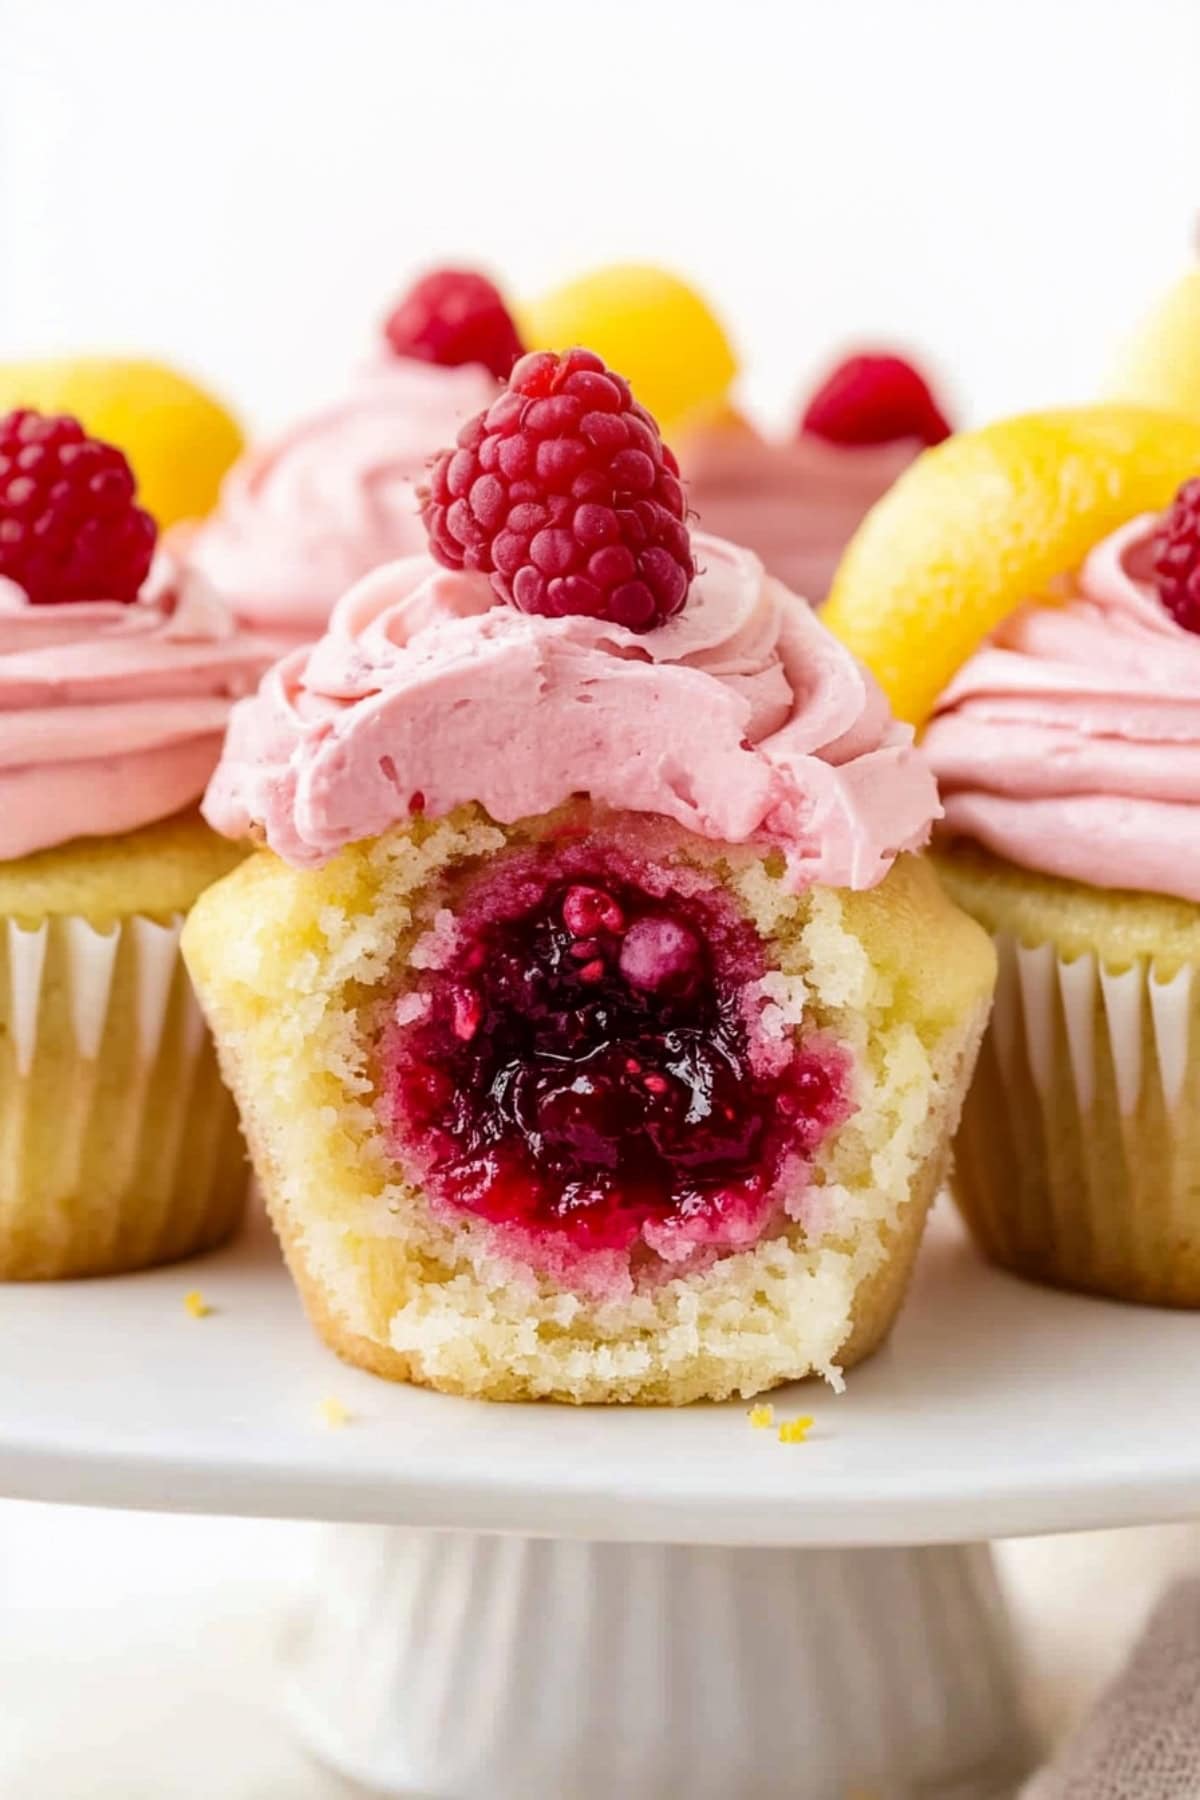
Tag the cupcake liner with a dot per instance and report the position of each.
(1078, 1160)
(119, 1146)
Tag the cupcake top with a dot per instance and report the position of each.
(1070, 742)
(116, 677)
(794, 500)
(797, 502)
(575, 640)
(304, 515)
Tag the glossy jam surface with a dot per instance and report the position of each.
(586, 1067)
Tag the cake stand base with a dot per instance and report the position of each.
(466, 1667)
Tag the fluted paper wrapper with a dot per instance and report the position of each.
(1078, 1159)
(119, 1146)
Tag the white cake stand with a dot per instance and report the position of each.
(616, 1604)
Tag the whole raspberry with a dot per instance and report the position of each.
(1177, 557)
(69, 528)
(455, 316)
(565, 494)
(875, 399)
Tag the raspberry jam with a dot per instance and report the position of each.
(587, 1070)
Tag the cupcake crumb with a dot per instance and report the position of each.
(761, 1417)
(333, 1413)
(195, 1305)
(795, 1431)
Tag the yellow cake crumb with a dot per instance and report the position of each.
(761, 1417)
(795, 1431)
(195, 1304)
(333, 1413)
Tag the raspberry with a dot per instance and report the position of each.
(69, 528)
(1177, 557)
(875, 399)
(565, 494)
(455, 316)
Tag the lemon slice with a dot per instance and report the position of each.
(649, 326)
(986, 521)
(178, 438)
(1160, 366)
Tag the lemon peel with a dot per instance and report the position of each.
(987, 521)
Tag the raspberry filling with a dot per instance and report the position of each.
(588, 1070)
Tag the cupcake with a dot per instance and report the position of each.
(1067, 747)
(119, 1146)
(798, 501)
(597, 1032)
(304, 515)
(795, 501)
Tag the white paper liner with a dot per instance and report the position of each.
(91, 957)
(1037, 988)
(120, 1146)
(26, 962)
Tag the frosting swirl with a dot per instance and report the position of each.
(111, 714)
(1070, 743)
(795, 504)
(740, 718)
(305, 515)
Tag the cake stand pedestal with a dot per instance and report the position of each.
(560, 1603)
(455, 1666)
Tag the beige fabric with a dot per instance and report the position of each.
(1141, 1740)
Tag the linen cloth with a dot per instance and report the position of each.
(1141, 1739)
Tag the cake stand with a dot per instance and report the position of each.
(624, 1604)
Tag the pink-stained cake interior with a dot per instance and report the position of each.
(591, 1062)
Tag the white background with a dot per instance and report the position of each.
(240, 186)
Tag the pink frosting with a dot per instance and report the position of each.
(1071, 742)
(795, 504)
(305, 515)
(113, 715)
(741, 718)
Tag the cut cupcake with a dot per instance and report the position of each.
(1067, 746)
(305, 514)
(595, 1031)
(119, 1147)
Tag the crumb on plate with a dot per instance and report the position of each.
(795, 1431)
(195, 1304)
(333, 1413)
(761, 1417)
